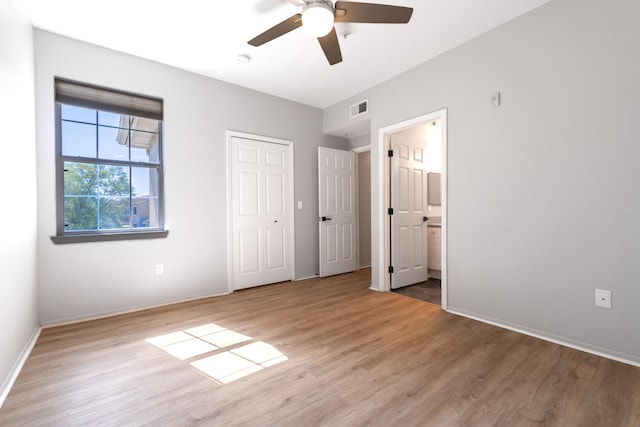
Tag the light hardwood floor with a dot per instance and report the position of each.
(354, 357)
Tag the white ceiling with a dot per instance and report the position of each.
(206, 37)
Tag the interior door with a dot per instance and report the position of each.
(337, 211)
(409, 191)
(262, 217)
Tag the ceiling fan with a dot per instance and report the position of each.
(318, 16)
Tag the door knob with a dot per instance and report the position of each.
(326, 218)
(424, 218)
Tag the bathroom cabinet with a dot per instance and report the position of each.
(434, 244)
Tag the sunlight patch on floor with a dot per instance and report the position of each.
(188, 349)
(260, 353)
(240, 362)
(225, 338)
(223, 366)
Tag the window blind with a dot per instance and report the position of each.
(99, 98)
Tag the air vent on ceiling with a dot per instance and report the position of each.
(359, 109)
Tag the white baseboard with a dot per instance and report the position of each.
(542, 336)
(104, 315)
(18, 365)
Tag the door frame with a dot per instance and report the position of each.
(382, 186)
(230, 134)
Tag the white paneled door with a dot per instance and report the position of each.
(409, 257)
(262, 212)
(337, 211)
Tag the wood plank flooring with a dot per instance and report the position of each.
(354, 357)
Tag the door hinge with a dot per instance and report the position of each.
(390, 269)
(390, 153)
(390, 211)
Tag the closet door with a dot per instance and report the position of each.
(262, 214)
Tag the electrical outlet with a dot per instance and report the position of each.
(603, 298)
(159, 269)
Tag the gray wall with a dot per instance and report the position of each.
(81, 280)
(543, 192)
(360, 141)
(18, 313)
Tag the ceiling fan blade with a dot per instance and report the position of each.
(347, 11)
(331, 47)
(278, 30)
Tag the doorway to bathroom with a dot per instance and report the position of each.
(405, 245)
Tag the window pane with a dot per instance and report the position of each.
(78, 114)
(144, 200)
(113, 212)
(113, 180)
(142, 123)
(106, 118)
(96, 196)
(80, 201)
(145, 212)
(78, 139)
(80, 213)
(144, 147)
(113, 143)
(80, 179)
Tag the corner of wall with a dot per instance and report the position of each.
(18, 298)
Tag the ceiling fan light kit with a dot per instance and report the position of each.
(318, 17)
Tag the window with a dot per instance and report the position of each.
(109, 170)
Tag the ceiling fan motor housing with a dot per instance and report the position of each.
(317, 17)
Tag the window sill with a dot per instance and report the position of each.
(109, 237)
